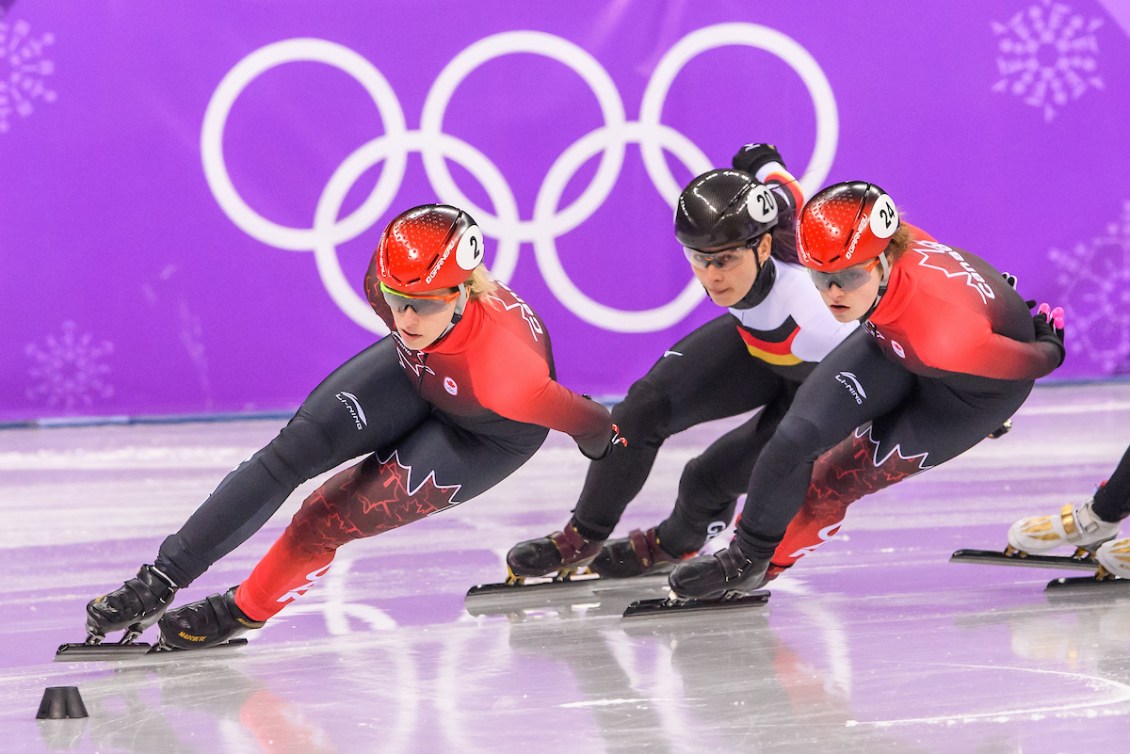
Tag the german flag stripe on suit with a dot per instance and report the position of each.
(775, 346)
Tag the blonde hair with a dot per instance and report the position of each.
(480, 284)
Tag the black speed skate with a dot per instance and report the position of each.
(638, 555)
(726, 573)
(206, 623)
(726, 579)
(562, 552)
(134, 606)
(546, 563)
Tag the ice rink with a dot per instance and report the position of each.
(874, 643)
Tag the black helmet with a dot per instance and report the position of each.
(724, 209)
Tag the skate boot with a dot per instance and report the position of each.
(637, 555)
(134, 606)
(562, 552)
(205, 623)
(1114, 559)
(1071, 526)
(724, 575)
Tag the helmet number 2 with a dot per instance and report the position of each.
(470, 251)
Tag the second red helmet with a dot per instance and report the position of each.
(845, 224)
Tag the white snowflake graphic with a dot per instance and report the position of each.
(1095, 277)
(69, 369)
(1047, 56)
(22, 69)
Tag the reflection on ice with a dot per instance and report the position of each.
(874, 643)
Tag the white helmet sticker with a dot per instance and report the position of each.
(470, 252)
(884, 217)
(762, 205)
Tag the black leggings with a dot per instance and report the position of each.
(365, 405)
(1112, 500)
(707, 375)
(916, 423)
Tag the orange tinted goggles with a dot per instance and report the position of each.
(421, 304)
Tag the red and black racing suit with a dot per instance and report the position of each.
(442, 426)
(947, 355)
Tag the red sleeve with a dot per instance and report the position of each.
(515, 383)
(968, 345)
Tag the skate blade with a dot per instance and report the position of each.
(995, 557)
(1088, 583)
(80, 652)
(666, 605)
(531, 585)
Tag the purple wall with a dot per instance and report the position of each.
(190, 192)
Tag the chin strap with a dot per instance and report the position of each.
(460, 305)
(762, 284)
(882, 287)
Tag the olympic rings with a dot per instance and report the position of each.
(549, 221)
(215, 119)
(368, 155)
(750, 35)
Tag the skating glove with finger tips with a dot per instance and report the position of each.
(618, 439)
(1049, 328)
(615, 440)
(1011, 280)
(753, 157)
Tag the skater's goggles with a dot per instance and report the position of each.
(726, 259)
(847, 280)
(423, 304)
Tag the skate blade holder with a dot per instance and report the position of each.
(1081, 554)
(527, 584)
(85, 652)
(668, 605)
(1102, 580)
(1082, 559)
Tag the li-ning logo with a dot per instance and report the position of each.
(349, 400)
(849, 380)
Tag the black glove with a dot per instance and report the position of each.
(753, 157)
(1049, 328)
(1002, 430)
(1011, 280)
(615, 439)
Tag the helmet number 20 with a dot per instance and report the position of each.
(762, 206)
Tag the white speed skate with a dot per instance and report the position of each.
(1114, 557)
(1075, 526)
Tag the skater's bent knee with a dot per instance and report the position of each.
(300, 451)
(644, 413)
(698, 481)
(796, 441)
(314, 535)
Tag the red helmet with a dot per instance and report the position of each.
(427, 248)
(845, 224)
